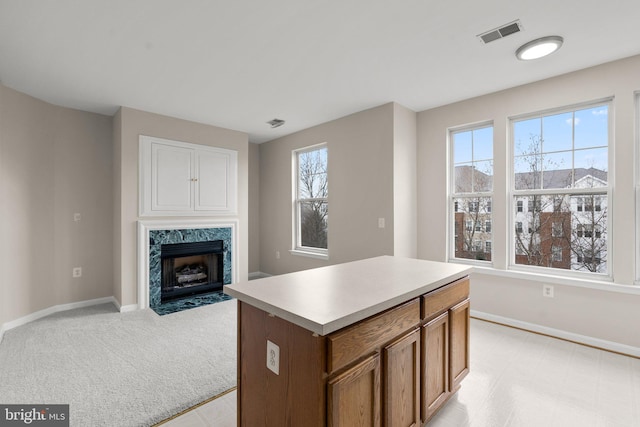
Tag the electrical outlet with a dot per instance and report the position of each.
(76, 272)
(76, 217)
(273, 357)
(380, 222)
(547, 291)
(277, 254)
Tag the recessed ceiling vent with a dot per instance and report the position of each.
(275, 123)
(501, 32)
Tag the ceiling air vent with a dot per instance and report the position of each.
(503, 31)
(275, 123)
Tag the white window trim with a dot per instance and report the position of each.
(513, 193)
(637, 183)
(583, 281)
(297, 248)
(450, 245)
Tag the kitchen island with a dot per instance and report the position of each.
(378, 341)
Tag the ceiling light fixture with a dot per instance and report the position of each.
(538, 48)
(275, 123)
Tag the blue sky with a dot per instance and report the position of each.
(575, 139)
(585, 131)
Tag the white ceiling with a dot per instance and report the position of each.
(239, 63)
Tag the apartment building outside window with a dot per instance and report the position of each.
(311, 207)
(471, 192)
(560, 173)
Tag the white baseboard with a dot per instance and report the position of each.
(128, 307)
(55, 309)
(124, 308)
(558, 333)
(258, 275)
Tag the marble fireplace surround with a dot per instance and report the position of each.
(153, 233)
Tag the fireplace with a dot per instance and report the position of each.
(191, 268)
(156, 237)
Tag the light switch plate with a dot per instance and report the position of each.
(273, 357)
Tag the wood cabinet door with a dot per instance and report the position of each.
(171, 178)
(402, 381)
(354, 395)
(435, 365)
(459, 343)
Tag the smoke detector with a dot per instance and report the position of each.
(501, 32)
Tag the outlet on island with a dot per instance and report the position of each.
(273, 357)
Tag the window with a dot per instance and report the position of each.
(534, 204)
(311, 201)
(560, 169)
(588, 230)
(471, 191)
(558, 202)
(487, 247)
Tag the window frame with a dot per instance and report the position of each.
(607, 191)
(637, 184)
(296, 246)
(453, 197)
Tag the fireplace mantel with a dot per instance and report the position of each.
(145, 227)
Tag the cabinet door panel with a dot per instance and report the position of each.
(402, 381)
(435, 367)
(213, 181)
(459, 350)
(171, 178)
(354, 395)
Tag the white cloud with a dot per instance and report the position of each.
(575, 121)
(601, 112)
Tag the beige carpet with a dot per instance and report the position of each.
(121, 369)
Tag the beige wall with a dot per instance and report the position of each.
(361, 188)
(598, 313)
(405, 195)
(133, 123)
(254, 208)
(54, 162)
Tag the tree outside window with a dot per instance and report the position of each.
(561, 174)
(471, 191)
(311, 199)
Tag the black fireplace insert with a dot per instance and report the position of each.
(191, 268)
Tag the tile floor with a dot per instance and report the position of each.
(517, 379)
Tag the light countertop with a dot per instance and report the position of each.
(326, 299)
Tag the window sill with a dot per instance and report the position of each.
(309, 254)
(602, 285)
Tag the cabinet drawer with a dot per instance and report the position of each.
(442, 298)
(365, 337)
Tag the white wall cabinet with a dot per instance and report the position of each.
(178, 178)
